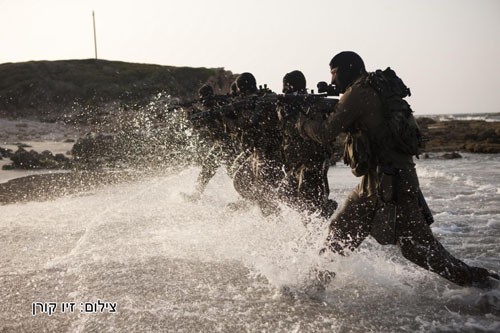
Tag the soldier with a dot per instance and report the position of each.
(256, 124)
(216, 148)
(386, 203)
(306, 162)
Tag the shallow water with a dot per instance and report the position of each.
(171, 265)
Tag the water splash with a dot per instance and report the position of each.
(177, 265)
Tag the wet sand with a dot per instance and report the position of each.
(48, 186)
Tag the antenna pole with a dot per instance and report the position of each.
(95, 38)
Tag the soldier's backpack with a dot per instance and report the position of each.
(405, 133)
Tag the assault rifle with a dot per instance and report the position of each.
(231, 108)
(217, 99)
(261, 103)
(309, 102)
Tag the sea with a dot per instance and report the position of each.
(489, 117)
(139, 257)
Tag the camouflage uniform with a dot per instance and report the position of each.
(215, 149)
(361, 108)
(306, 164)
(260, 172)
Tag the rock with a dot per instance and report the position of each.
(473, 136)
(450, 156)
(4, 152)
(486, 134)
(96, 149)
(22, 145)
(47, 154)
(425, 121)
(61, 158)
(23, 159)
(484, 148)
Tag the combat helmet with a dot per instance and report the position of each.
(246, 84)
(294, 81)
(350, 67)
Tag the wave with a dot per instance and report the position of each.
(489, 117)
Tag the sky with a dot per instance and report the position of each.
(446, 51)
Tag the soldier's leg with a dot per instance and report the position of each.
(419, 245)
(311, 188)
(269, 176)
(352, 224)
(208, 169)
(248, 182)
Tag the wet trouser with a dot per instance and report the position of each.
(354, 222)
(209, 167)
(256, 180)
(217, 156)
(306, 187)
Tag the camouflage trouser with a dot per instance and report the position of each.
(216, 157)
(306, 187)
(414, 236)
(256, 179)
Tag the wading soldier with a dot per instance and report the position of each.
(382, 137)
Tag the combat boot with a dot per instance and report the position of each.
(481, 278)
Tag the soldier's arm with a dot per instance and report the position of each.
(346, 112)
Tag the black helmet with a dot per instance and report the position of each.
(350, 67)
(246, 83)
(206, 91)
(294, 81)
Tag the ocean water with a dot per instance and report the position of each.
(489, 117)
(137, 257)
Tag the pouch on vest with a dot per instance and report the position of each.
(357, 153)
(387, 184)
(384, 219)
(384, 224)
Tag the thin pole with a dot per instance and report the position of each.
(95, 38)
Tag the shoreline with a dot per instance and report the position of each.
(446, 136)
(46, 186)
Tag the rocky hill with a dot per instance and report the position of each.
(126, 98)
(475, 136)
(52, 90)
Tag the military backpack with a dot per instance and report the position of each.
(403, 128)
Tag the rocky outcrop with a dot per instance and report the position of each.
(4, 152)
(23, 159)
(474, 136)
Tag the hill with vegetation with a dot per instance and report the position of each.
(127, 98)
(49, 90)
